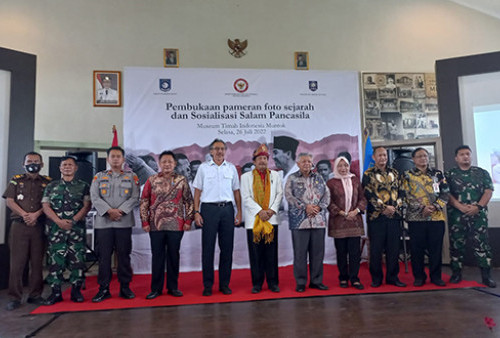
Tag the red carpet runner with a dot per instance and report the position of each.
(190, 283)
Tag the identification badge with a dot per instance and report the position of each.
(20, 197)
(435, 186)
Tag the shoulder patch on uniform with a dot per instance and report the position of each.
(136, 179)
(48, 178)
(95, 178)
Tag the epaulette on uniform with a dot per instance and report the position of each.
(14, 178)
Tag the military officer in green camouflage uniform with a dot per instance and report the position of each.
(471, 189)
(66, 203)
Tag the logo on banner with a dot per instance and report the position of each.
(165, 85)
(313, 85)
(240, 85)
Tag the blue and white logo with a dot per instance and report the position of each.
(165, 85)
(313, 86)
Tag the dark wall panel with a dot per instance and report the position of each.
(21, 123)
(448, 72)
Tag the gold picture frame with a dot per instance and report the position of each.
(107, 88)
(301, 60)
(171, 57)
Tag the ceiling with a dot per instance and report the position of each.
(489, 7)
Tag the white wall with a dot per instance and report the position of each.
(73, 38)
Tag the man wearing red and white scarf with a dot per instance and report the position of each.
(261, 194)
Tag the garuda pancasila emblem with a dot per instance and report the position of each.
(237, 47)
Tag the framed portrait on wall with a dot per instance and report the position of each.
(170, 57)
(107, 88)
(301, 60)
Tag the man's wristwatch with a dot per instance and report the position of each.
(197, 211)
(479, 207)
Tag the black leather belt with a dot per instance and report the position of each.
(219, 204)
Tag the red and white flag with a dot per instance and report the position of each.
(115, 137)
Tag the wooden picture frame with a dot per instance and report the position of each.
(107, 88)
(301, 60)
(171, 57)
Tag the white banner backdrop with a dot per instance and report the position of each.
(184, 110)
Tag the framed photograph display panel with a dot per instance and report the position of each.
(400, 106)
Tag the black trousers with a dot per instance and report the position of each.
(263, 259)
(426, 235)
(162, 242)
(217, 221)
(348, 258)
(384, 235)
(119, 240)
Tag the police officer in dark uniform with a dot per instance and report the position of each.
(114, 194)
(24, 198)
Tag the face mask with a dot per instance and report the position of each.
(33, 168)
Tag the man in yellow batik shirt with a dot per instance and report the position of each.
(425, 196)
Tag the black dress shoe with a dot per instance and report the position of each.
(358, 285)
(207, 292)
(418, 282)
(438, 282)
(175, 293)
(375, 284)
(35, 300)
(53, 298)
(274, 288)
(12, 305)
(101, 295)
(256, 289)
(225, 290)
(344, 284)
(319, 286)
(153, 295)
(126, 293)
(300, 288)
(456, 278)
(397, 283)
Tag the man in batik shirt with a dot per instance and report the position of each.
(381, 184)
(425, 196)
(308, 198)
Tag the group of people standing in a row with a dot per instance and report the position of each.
(419, 196)
(168, 207)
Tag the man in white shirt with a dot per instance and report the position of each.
(107, 94)
(261, 194)
(215, 186)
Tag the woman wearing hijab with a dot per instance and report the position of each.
(345, 224)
